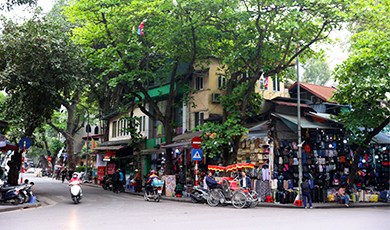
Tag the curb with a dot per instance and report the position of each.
(19, 207)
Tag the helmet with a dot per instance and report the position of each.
(152, 171)
(74, 175)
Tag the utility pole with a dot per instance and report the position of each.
(86, 155)
(299, 124)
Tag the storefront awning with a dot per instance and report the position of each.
(177, 145)
(292, 122)
(151, 151)
(381, 138)
(8, 146)
(104, 148)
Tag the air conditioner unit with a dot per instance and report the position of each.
(215, 97)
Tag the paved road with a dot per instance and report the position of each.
(102, 209)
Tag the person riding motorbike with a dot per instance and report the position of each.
(76, 178)
(149, 186)
(211, 183)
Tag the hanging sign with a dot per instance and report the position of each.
(110, 168)
(107, 158)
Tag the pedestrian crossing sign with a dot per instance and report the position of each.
(196, 154)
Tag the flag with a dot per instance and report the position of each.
(94, 144)
(266, 83)
(141, 29)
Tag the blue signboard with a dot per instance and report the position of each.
(28, 143)
(196, 154)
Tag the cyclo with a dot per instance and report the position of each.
(231, 193)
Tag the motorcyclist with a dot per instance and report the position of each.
(211, 183)
(149, 186)
(76, 178)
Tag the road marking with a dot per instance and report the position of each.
(61, 198)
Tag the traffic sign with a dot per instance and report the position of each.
(28, 143)
(49, 158)
(195, 142)
(196, 154)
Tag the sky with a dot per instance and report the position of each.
(20, 10)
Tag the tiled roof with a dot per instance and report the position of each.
(323, 92)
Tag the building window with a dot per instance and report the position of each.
(221, 82)
(114, 128)
(276, 85)
(198, 118)
(96, 130)
(199, 82)
(263, 82)
(88, 129)
(142, 124)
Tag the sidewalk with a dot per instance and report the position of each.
(11, 207)
(326, 205)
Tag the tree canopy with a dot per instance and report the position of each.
(316, 72)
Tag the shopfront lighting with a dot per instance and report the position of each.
(376, 157)
(363, 161)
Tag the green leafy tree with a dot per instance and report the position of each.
(263, 39)
(364, 80)
(9, 4)
(166, 54)
(316, 72)
(40, 68)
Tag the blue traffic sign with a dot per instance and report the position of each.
(196, 154)
(28, 143)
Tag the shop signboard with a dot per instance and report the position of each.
(107, 158)
(100, 174)
(99, 160)
(110, 168)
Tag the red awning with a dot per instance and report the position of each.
(8, 146)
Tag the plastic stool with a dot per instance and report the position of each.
(298, 203)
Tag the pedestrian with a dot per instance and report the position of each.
(137, 179)
(115, 181)
(63, 174)
(306, 192)
(121, 179)
(182, 176)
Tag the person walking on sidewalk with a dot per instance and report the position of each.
(306, 193)
(137, 179)
(121, 179)
(115, 181)
(63, 174)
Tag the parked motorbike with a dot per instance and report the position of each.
(75, 191)
(107, 182)
(155, 194)
(199, 195)
(10, 194)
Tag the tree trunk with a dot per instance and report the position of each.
(168, 156)
(71, 157)
(44, 162)
(14, 165)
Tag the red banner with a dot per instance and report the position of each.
(100, 173)
(110, 168)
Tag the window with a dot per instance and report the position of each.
(198, 118)
(114, 128)
(88, 128)
(142, 124)
(96, 130)
(276, 85)
(221, 82)
(199, 82)
(263, 82)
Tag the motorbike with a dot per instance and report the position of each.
(155, 194)
(75, 191)
(10, 194)
(199, 195)
(107, 182)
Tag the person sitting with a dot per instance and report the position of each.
(211, 183)
(245, 181)
(179, 190)
(149, 186)
(343, 196)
